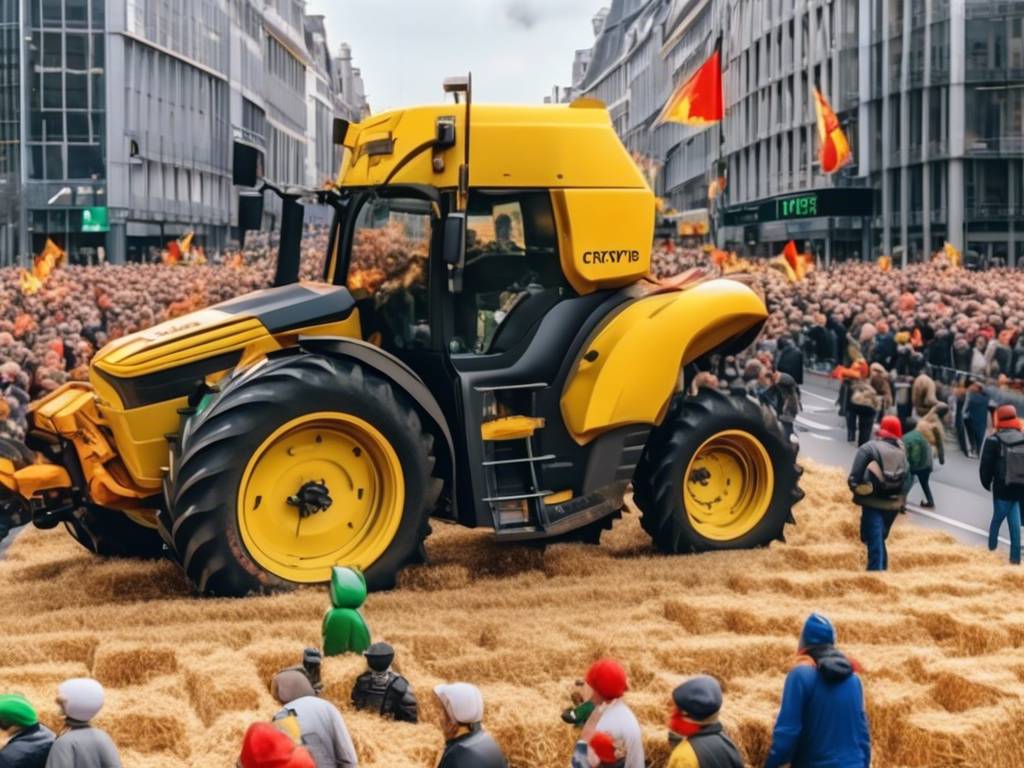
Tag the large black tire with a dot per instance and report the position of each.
(110, 533)
(659, 477)
(201, 522)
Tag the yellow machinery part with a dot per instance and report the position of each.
(510, 428)
(365, 481)
(7, 475)
(558, 498)
(604, 236)
(549, 146)
(728, 485)
(36, 478)
(629, 371)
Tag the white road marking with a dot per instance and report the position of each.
(817, 436)
(817, 408)
(812, 424)
(815, 394)
(955, 523)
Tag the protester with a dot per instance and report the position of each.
(784, 397)
(919, 461)
(694, 721)
(607, 679)
(1002, 472)
(266, 746)
(821, 721)
(382, 691)
(862, 406)
(599, 750)
(81, 745)
(976, 417)
(790, 360)
(467, 744)
(878, 480)
(29, 741)
(312, 721)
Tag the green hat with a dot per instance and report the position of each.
(348, 587)
(15, 709)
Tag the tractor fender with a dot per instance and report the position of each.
(628, 370)
(403, 377)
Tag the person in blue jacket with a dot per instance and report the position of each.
(822, 722)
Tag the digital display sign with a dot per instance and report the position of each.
(798, 207)
(95, 219)
(831, 201)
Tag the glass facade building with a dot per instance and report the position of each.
(117, 116)
(930, 93)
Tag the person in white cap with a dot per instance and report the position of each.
(80, 745)
(467, 744)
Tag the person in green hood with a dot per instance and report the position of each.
(344, 628)
(30, 741)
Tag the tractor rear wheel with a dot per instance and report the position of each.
(718, 473)
(297, 465)
(112, 533)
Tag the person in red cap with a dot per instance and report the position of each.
(878, 480)
(607, 679)
(600, 750)
(1002, 472)
(266, 746)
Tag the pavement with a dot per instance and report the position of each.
(962, 507)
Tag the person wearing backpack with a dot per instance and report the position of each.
(1002, 472)
(919, 460)
(878, 480)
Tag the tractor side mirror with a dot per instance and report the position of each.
(454, 249)
(250, 211)
(247, 164)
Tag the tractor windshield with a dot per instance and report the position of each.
(387, 270)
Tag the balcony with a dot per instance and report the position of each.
(997, 212)
(995, 147)
(938, 215)
(937, 149)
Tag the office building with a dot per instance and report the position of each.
(117, 117)
(930, 93)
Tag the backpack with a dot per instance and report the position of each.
(1011, 462)
(892, 460)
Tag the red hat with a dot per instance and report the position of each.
(266, 746)
(604, 747)
(607, 678)
(890, 427)
(1006, 417)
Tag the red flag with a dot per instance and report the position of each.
(790, 254)
(834, 150)
(699, 100)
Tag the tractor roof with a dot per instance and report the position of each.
(549, 146)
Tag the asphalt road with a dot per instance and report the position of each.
(962, 506)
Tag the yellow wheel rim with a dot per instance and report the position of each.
(728, 485)
(363, 479)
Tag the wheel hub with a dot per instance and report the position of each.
(312, 497)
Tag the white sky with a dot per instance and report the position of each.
(516, 49)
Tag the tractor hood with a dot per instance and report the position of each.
(167, 360)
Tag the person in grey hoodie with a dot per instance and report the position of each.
(80, 745)
(318, 722)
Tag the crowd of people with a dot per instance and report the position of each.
(821, 720)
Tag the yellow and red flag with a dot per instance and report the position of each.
(952, 254)
(699, 100)
(834, 150)
(884, 263)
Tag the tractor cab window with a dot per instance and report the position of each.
(387, 272)
(512, 274)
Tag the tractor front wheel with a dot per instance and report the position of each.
(718, 473)
(301, 464)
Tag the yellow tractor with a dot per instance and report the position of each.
(486, 347)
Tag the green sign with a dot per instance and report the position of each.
(95, 219)
(797, 207)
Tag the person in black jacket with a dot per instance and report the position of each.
(790, 360)
(383, 691)
(694, 725)
(1006, 499)
(30, 742)
(467, 744)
